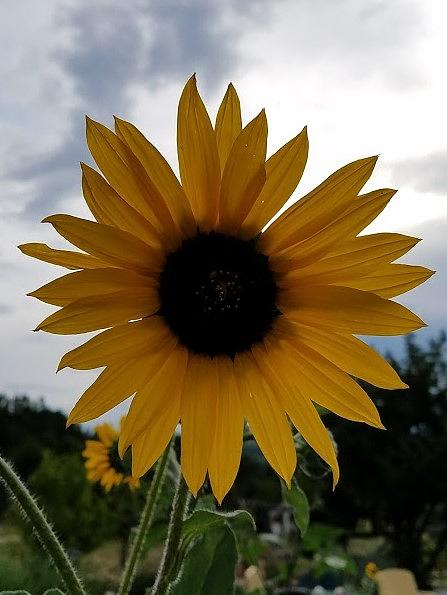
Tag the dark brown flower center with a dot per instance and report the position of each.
(218, 294)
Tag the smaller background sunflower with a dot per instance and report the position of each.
(103, 463)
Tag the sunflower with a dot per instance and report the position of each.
(102, 461)
(210, 318)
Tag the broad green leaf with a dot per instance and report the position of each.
(297, 499)
(19, 592)
(210, 564)
(53, 592)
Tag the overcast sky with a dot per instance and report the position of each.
(366, 76)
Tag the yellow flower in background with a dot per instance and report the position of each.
(102, 460)
(371, 570)
(211, 320)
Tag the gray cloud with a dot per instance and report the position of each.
(111, 46)
(427, 173)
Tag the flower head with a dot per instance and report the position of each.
(209, 318)
(102, 461)
(371, 570)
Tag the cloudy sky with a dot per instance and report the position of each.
(366, 76)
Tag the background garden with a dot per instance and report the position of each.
(390, 507)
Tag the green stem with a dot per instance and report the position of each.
(168, 561)
(19, 492)
(146, 519)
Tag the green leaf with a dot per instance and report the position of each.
(53, 592)
(14, 593)
(210, 564)
(297, 499)
(240, 522)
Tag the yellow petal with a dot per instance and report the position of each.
(110, 244)
(198, 416)
(147, 448)
(299, 408)
(228, 124)
(64, 258)
(82, 284)
(127, 176)
(109, 208)
(322, 382)
(244, 174)
(115, 384)
(265, 417)
(198, 157)
(101, 311)
(161, 175)
(364, 210)
(227, 445)
(354, 258)
(320, 207)
(283, 173)
(107, 434)
(391, 280)
(162, 386)
(347, 310)
(350, 355)
(122, 342)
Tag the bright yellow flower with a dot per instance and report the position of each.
(212, 320)
(371, 570)
(102, 461)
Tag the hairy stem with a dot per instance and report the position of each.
(31, 511)
(168, 561)
(146, 519)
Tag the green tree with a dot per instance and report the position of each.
(398, 478)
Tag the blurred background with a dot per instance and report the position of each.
(367, 77)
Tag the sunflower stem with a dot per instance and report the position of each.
(29, 508)
(146, 520)
(168, 561)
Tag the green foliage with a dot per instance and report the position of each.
(27, 429)
(210, 564)
(398, 479)
(297, 499)
(32, 572)
(82, 516)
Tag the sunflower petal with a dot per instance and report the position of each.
(283, 173)
(228, 124)
(119, 343)
(391, 280)
(161, 175)
(101, 311)
(163, 385)
(109, 208)
(113, 386)
(244, 174)
(147, 448)
(265, 417)
(353, 258)
(198, 415)
(322, 382)
(364, 210)
(350, 355)
(300, 410)
(110, 244)
(347, 310)
(127, 176)
(82, 284)
(64, 258)
(198, 156)
(316, 210)
(226, 451)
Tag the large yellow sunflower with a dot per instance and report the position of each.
(211, 320)
(102, 461)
